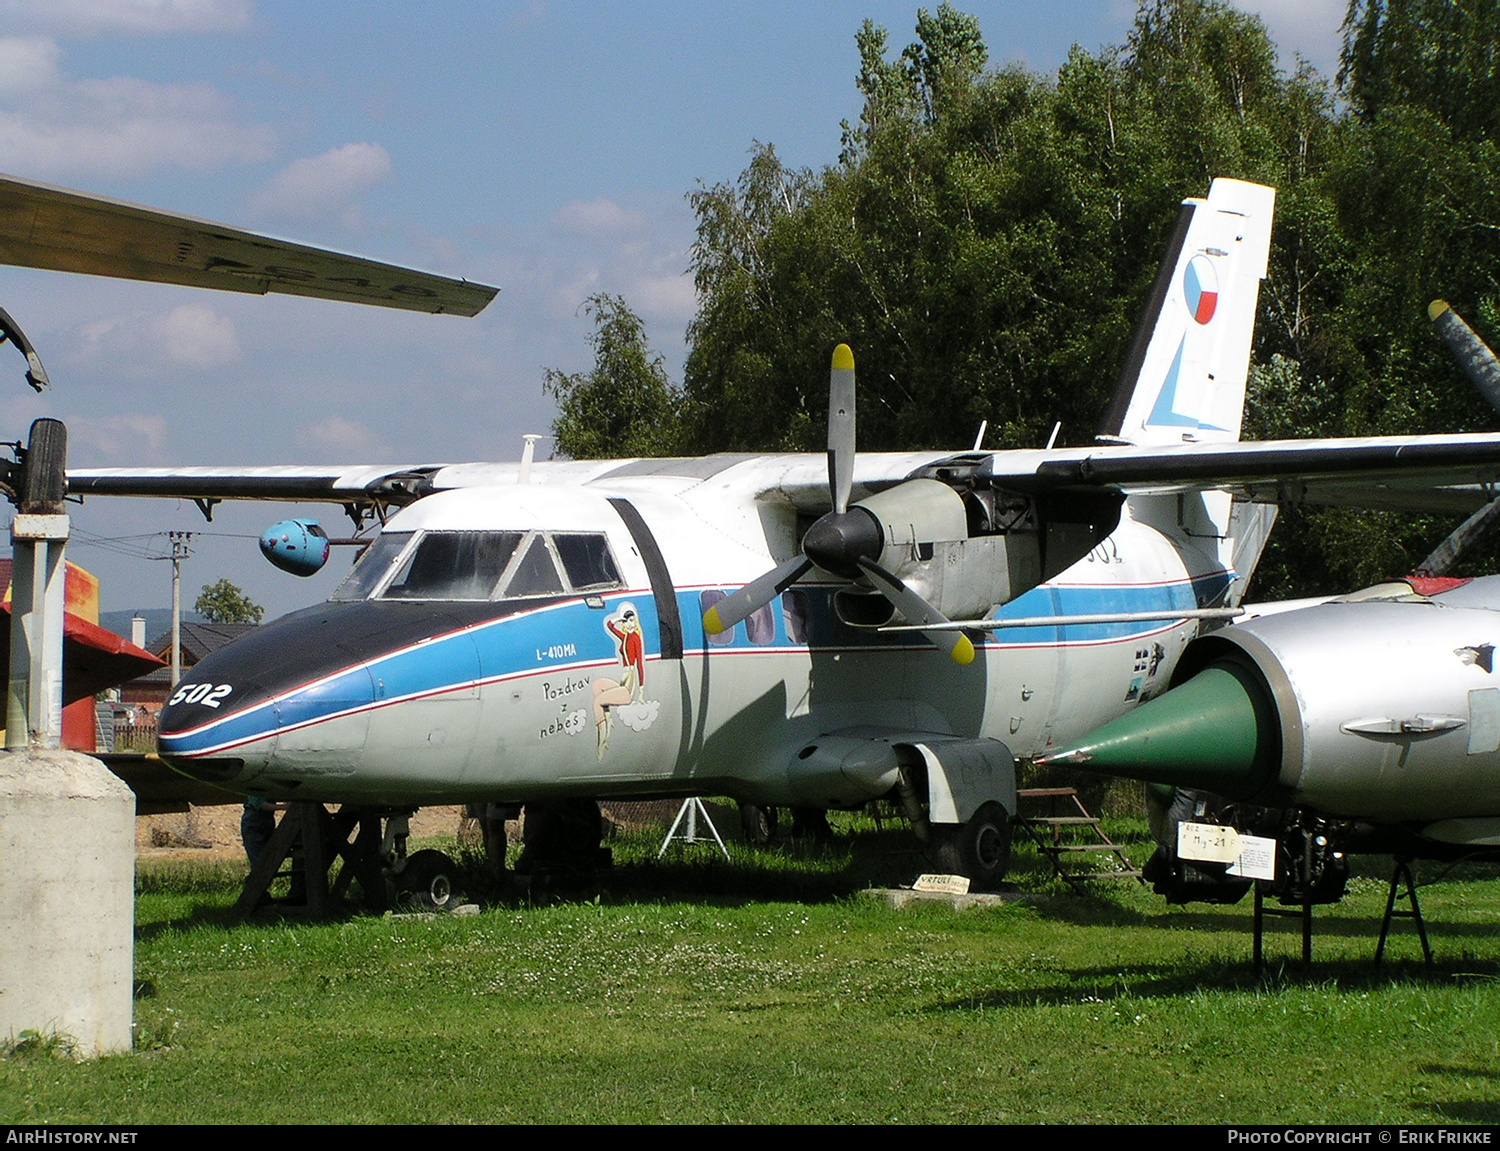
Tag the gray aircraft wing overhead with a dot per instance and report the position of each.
(1434, 473)
(67, 231)
(393, 484)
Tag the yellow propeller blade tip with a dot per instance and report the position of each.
(711, 622)
(843, 359)
(963, 652)
(1436, 309)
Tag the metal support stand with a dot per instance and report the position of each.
(1304, 912)
(1403, 872)
(692, 808)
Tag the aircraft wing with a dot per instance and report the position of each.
(1440, 473)
(1437, 473)
(67, 231)
(392, 484)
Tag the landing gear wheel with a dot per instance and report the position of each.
(758, 823)
(811, 823)
(980, 849)
(429, 881)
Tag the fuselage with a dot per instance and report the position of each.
(514, 642)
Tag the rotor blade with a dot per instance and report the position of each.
(754, 595)
(841, 427)
(920, 612)
(1472, 354)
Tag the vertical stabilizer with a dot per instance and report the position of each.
(1184, 379)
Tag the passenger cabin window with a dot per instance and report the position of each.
(712, 598)
(481, 566)
(795, 613)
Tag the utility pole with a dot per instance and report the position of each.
(180, 552)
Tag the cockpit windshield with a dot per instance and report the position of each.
(453, 565)
(443, 565)
(373, 566)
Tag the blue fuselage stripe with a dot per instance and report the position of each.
(571, 635)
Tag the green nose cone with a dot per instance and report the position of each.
(1217, 732)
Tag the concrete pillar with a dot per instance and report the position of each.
(67, 899)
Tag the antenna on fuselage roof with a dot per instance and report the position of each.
(979, 439)
(1052, 439)
(527, 452)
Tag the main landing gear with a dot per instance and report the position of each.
(978, 848)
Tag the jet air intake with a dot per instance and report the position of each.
(1217, 732)
(1384, 705)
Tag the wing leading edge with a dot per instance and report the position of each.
(67, 231)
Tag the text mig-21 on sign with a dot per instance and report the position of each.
(785, 629)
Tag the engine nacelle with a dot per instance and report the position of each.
(296, 546)
(967, 553)
(1384, 706)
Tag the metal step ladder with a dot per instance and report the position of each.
(1070, 838)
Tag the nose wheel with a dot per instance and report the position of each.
(429, 882)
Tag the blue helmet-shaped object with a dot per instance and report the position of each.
(296, 546)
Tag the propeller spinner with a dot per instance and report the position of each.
(848, 541)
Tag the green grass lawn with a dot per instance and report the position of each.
(768, 989)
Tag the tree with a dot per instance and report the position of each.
(626, 406)
(987, 239)
(223, 602)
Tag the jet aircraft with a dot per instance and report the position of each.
(1367, 722)
(784, 629)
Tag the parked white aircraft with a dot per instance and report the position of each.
(779, 628)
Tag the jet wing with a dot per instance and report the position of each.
(67, 231)
(1439, 473)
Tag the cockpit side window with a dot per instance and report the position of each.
(587, 561)
(534, 573)
(453, 566)
(373, 566)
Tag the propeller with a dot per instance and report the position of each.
(1472, 354)
(847, 541)
(1483, 369)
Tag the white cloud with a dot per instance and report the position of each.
(133, 437)
(27, 63)
(192, 334)
(337, 440)
(52, 125)
(131, 17)
(327, 186)
(598, 218)
(196, 335)
(664, 298)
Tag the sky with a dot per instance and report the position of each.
(547, 148)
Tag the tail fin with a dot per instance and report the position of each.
(1185, 376)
